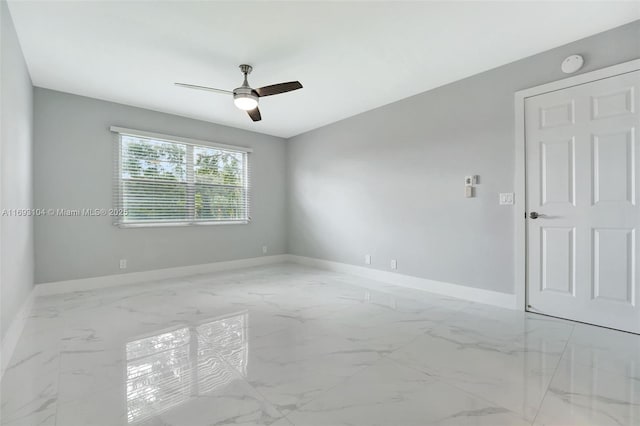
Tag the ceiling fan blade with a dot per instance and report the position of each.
(255, 114)
(208, 89)
(275, 89)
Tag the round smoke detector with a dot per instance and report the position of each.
(572, 64)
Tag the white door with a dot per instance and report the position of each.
(583, 182)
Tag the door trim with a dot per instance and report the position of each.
(520, 185)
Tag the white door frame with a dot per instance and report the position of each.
(520, 206)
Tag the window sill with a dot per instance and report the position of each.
(179, 224)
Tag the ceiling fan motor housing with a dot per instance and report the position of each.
(245, 98)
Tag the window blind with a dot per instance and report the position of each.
(165, 181)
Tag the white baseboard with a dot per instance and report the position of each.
(93, 283)
(11, 337)
(473, 294)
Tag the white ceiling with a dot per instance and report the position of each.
(350, 56)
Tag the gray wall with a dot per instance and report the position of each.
(16, 182)
(389, 182)
(73, 169)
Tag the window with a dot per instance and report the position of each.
(163, 180)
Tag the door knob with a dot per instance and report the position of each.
(534, 215)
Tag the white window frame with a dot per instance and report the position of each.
(122, 131)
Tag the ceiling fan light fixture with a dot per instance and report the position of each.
(245, 103)
(245, 99)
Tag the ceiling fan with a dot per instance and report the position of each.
(245, 97)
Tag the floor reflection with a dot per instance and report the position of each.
(169, 368)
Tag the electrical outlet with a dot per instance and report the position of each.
(394, 264)
(123, 263)
(264, 249)
(367, 259)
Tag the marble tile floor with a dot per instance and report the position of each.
(289, 345)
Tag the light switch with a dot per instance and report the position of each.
(506, 198)
(468, 191)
